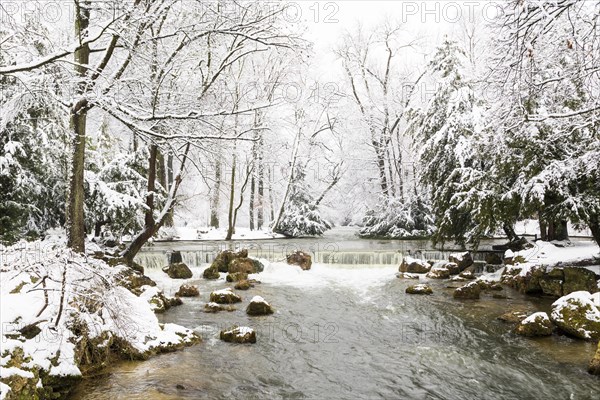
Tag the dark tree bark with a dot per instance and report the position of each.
(216, 196)
(75, 219)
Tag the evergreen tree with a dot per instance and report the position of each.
(301, 216)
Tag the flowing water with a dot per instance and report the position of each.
(348, 331)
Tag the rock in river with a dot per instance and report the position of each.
(239, 334)
(594, 367)
(438, 273)
(419, 289)
(211, 273)
(414, 266)
(470, 291)
(537, 324)
(259, 306)
(301, 259)
(187, 291)
(225, 296)
(577, 315)
(178, 271)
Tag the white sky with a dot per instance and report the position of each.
(430, 20)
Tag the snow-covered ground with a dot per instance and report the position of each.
(532, 227)
(206, 233)
(55, 301)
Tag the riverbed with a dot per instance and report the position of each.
(348, 331)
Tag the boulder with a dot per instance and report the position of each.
(463, 260)
(594, 367)
(414, 265)
(211, 273)
(214, 308)
(236, 276)
(259, 306)
(551, 287)
(438, 273)
(577, 315)
(524, 279)
(537, 324)
(243, 285)
(246, 265)
(239, 334)
(159, 303)
(175, 257)
(419, 289)
(452, 268)
(407, 275)
(187, 291)
(224, 296)
(485, 284)
(178, 271)
(470, 291)
(224, 258)
(513, 317)
(467, 275)
(301, 259)
(579, 279)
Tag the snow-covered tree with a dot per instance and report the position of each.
(399, 218)
(301, 215)
(448, 130)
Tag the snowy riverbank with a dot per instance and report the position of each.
(64, 314)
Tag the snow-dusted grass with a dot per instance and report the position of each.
(74, 301)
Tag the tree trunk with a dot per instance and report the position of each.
(543, 228)
(510, 232)
(381, 167)
(74, 217)
(151, 226)
(169, 218)
(289, 182)
(230, 225)
(251, 202)
(557, 230)
(216, 196)
(261, 187)
(594, 225)
(271, 202)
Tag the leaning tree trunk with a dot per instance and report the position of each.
(74, 216)
(151, 226)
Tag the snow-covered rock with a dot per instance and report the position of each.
(470, 291)
(224, 296)
(577, 314)
(438, 273)
(419, 289)
(463, 260)
(414, 265)
(239, 334)
(259, 306)
(537, 324)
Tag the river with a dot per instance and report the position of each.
(348, 331)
